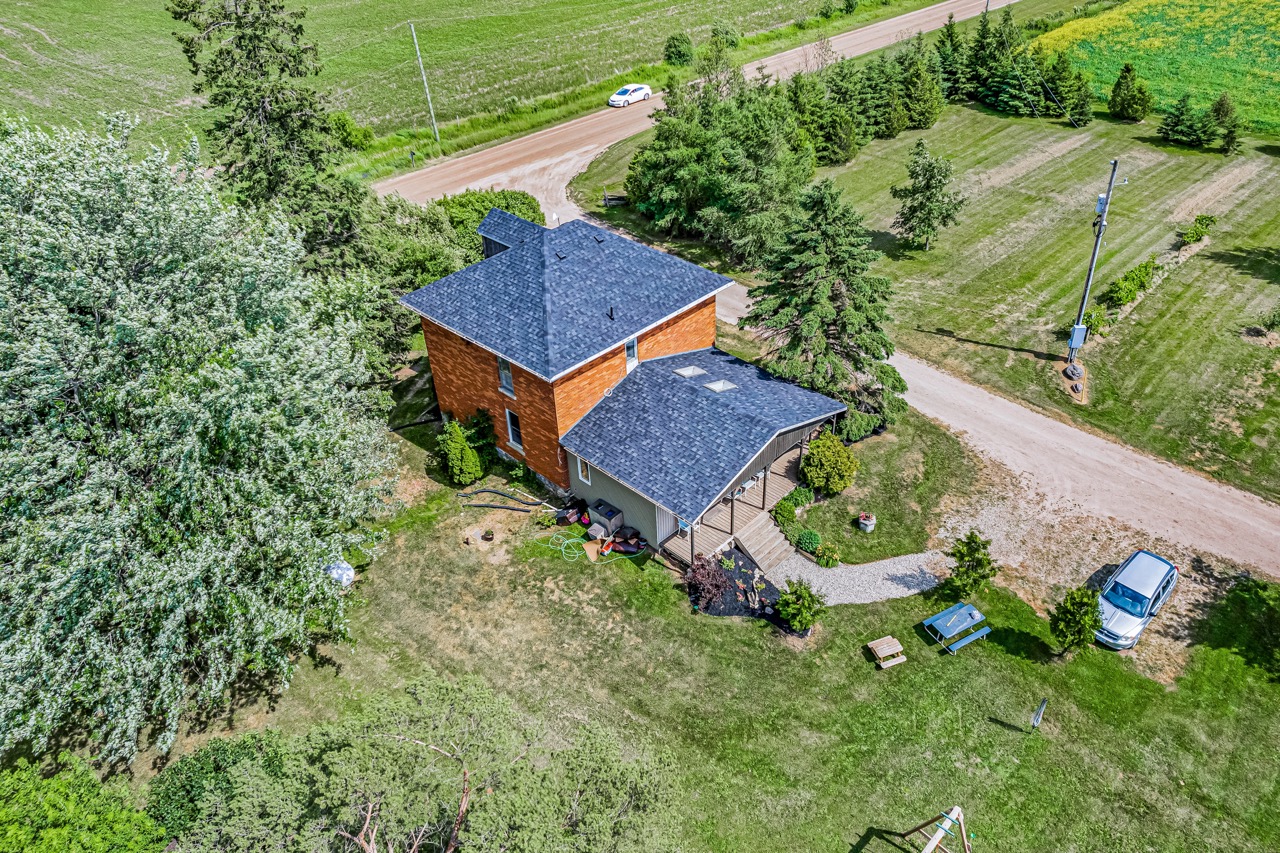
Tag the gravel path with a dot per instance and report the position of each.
(896, 577)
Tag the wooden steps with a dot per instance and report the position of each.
(763, 542)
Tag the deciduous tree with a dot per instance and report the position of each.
(823, 312)
(185, 446)
(928, 202)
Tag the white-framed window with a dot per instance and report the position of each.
(584, 471)
(504, 377)
(514, 438)
(633, 354)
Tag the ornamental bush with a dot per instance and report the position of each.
(460, 459)
(800, 496)
(726, 34)
(828, 465)
(801, 605)
(974, 565)
(1135, 281)
(678, 50)
(827, 556)
(784, 511)
(1198, 230)
(1075, 620)
(809, 541)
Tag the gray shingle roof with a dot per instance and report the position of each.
(681, 444)
(545, 304)
(507, 228)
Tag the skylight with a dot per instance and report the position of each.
(719, 385)
(690, 372)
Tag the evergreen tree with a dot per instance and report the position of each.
(1071, 96)
(460, 459)
(984, 57)
(928, 203)
(974, 565)
(824, 312)
(1076, 618)
(1228, 121)
(922, 96)
(1130, 99)
(884, 107)
(1012, 85)
(1185, 125)
(950, 48)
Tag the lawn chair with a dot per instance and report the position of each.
(888, 652)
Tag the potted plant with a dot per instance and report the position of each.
(487, 536)
(866, 522)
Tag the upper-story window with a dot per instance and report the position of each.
(584, 471)
(633, 354)
(504, 376)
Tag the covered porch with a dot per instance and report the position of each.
(731, 515)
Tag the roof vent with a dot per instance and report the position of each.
(599, 239)
(561, 255)
(690, 372)
(719, 385)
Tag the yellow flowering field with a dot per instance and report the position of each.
(1204, 47)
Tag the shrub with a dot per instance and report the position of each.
(800, 496)
(827, 556)
(350, 135)
(828, 465)
(1095, 320)
(784, 511)
(849, 7)
(1074, 621)
(974, 565)
(176, 794)
(545, 521)
(1133, 282)
(726, 563)
(809, 540)
(460, 459)
(801, 605)
(829, 9)
(706, 580)
(1199, 229)
(726, 34)
(1271, 322)
(678, 50)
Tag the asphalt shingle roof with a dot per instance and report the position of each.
(545, 304)
(680, 443)
(507, 228)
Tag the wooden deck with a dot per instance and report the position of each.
(714, 533)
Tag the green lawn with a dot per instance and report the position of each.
(1197, 46)
(69, 60)
(904, 477)
(779, 749)
(1176, 376)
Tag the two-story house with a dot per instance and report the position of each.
(595, 357)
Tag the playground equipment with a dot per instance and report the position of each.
(938, 829)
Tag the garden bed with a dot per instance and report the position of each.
(733, 600)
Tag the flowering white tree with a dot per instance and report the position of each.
(183, 446)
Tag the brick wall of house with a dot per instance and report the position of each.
(692, 330)
(466, 380)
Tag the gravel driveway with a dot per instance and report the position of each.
(896, 577)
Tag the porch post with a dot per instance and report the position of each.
(733, 501)
(693, 550)
(764, 492)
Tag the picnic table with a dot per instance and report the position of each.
(888, 652)
(955, 626)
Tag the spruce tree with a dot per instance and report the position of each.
(1175, 126)
(1071, 95)
(983, 57)
(823, 312)
(950, 49)
(928, 205)
(1130, 100)
(922, 96)
(1228, 122)
(885, 108)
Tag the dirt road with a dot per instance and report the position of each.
(1102, 477)
(543, 163)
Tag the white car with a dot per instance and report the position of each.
(629, 94)
(1133, 596)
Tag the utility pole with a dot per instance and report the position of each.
(435, 131)
(1079, 331)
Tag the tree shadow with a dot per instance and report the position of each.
(1022, 644)
(1244, 619)
(948, 333)
(894, 247)
(1261, 262)
(1268, 149)
(1098, 579)
(877, 839)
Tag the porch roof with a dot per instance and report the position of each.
(679, 443)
